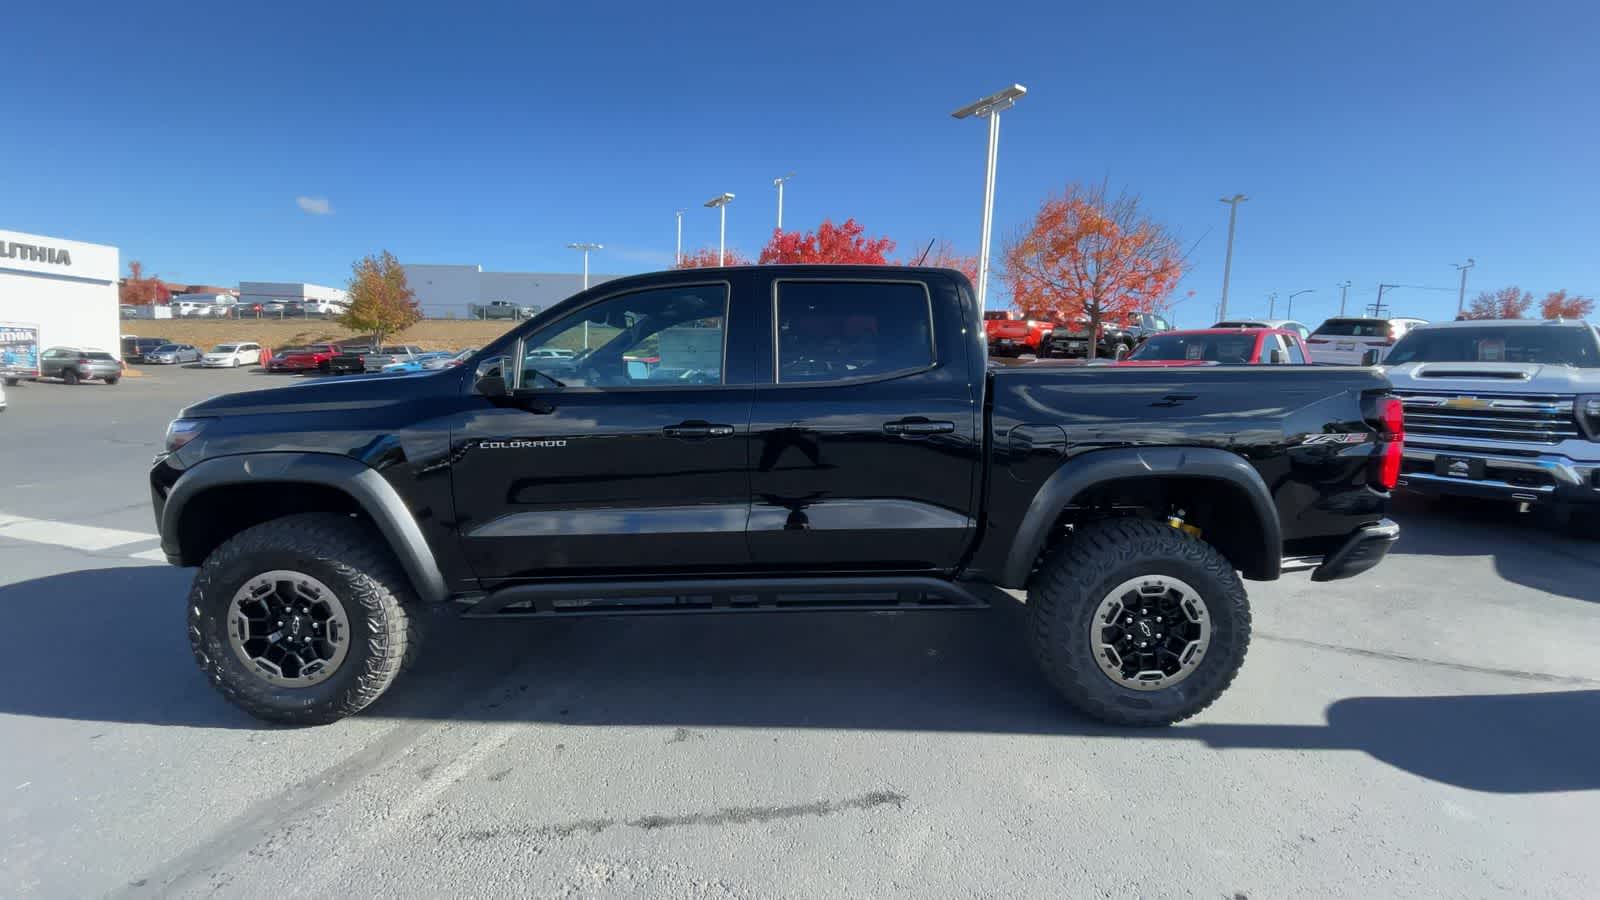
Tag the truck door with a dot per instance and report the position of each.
(622, 448)
(865, 431)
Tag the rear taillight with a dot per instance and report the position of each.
(1391, 424)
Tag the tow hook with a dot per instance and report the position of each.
(1176, 521)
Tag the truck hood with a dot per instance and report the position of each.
(328, 395)
(1508, 378)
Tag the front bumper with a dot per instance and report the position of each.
(1543, 477)
(1360, 551)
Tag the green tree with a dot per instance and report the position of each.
(381, 303)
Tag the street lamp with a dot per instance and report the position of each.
(989, 108)
(1344, 291)
(721, 202)
(1227, 263)
(1290, 311)
(585, 247)
(1461, 298)
(1272, 305)
(779, 183)
(677, 256)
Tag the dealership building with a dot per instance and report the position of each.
(446, 291)
(251, 292)
(65, 289)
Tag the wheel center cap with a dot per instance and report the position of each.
(296, 624)
(1146, 628)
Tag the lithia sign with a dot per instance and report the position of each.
(35, 253)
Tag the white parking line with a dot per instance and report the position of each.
(155, 554)
(75, 536)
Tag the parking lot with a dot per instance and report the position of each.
(1429, 728)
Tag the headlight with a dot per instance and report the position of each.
(1586, 409)
(182, 431)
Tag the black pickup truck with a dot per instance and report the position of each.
(769, 439)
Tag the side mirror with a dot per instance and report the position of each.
(1369, 358)
(491, 386)
(1275, 357)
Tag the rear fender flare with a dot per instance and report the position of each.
(376, 497)
(1099, 466)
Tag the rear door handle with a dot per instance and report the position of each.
(696, 428)
(918, 426)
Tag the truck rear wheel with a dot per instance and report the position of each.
(1137, 623)
(303, 619)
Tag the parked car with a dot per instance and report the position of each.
(233, 355)
(1286, 324)
(499, 309)
(75, 364)
(324, 308)
(2, 397)
(135, 348)
(308, 358)
(1117, 337)
(193, 309)
(1345, 341)
(1011, 334)
(350, 360)
(375, 360)
(1505, 410)
(172, 354)
(419, 362)
(272, 307)
(454, 360)
(852, 448)
(1219, 347)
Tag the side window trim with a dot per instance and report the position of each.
(777, 358)
(519, 348)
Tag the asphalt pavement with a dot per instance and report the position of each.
(1427, 729)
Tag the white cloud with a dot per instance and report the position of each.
(317, 206)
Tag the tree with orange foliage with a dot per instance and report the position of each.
(139, 290)
(830, 243)
(1558, 305)
(1506, 303)
(706, 258)
(1090, 256)
(942, 256)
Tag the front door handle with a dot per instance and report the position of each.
(918, 426)
(695, 428)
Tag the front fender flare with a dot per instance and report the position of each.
(1099, 466)
(376, 497)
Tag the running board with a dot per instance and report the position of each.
(719, 595)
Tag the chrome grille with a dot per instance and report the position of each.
(1522, 418)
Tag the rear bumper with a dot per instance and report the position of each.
(1548, 477)
(1360, 551)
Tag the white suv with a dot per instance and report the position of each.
(1345, 341)
(1503, 409)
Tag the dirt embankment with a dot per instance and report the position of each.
(433, 334)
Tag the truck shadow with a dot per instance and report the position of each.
(1536, 549)
(109, 645)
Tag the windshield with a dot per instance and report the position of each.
(1229, 349)
(1354, 328)
(166, 348)
(1554, 345)
(224, 348)
(1240, 325)
(98, 355)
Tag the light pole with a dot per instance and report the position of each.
(1344, 289)
(1290, 311)
(585, 247)
(1377, 308)
(779, 183)
(1272, 304)
(989, 108)
(1227, 261)
(721, 202)
(677, 256)
(1461, 297)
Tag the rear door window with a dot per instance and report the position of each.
(1292, 348)
(1378, 328)
(842, 330)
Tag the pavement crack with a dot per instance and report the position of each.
(1392, 656)
(739, 815)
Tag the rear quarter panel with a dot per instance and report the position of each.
(1046, 415)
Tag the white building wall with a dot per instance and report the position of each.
(262, 291)
(445, 291)
(67, 288)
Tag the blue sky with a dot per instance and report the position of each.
(1377, 141)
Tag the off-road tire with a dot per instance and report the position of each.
(349, 557)
(1066, 590)
(70, 376)
(1121, 351)
(113, 379)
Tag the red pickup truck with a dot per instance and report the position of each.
(1010, 334)
(310, 358)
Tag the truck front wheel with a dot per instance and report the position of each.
(301, 620)
(1137, 623)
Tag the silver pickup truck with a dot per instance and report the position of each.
(1501, 409)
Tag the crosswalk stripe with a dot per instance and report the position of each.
(68, 534)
